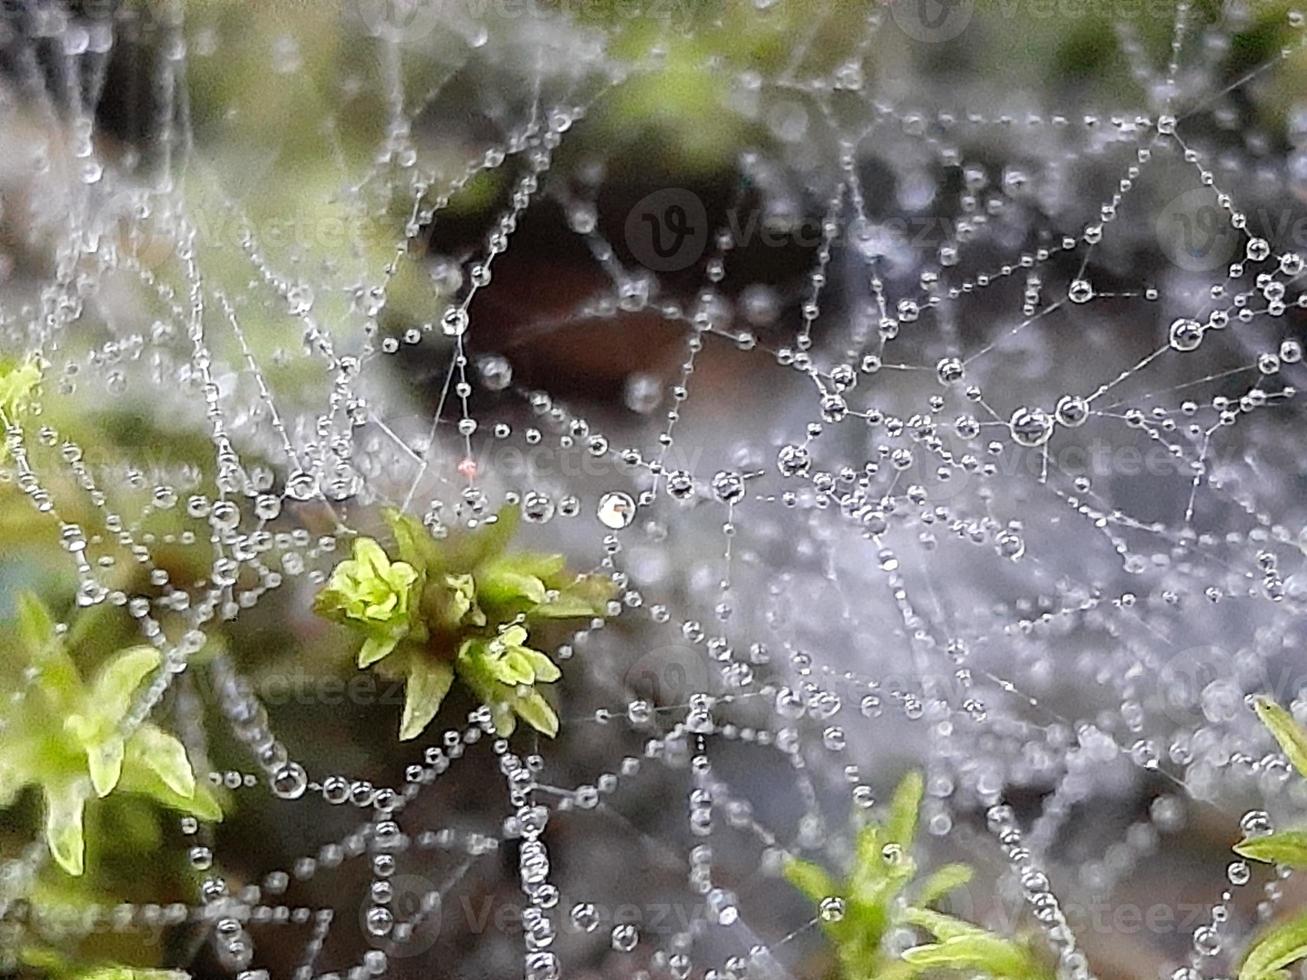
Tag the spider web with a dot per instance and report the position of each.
(956, 430)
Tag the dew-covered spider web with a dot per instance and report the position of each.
(921, 374)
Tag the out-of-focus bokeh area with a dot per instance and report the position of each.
(923, 373)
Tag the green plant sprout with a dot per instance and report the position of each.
(57, 966)
(1285, 943)
(62, 735)
(18, 382)
(880, 896)
(461, 606)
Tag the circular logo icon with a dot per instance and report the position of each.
(122, 220)
(398, 20)
(667, 230)
(415, 908)
(1195, 233)
(668, 675)
(932, 21)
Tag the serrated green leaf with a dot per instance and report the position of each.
(428, 683)
(1284, 847)
(1292, 739)
(1277, 948)
(941, 882)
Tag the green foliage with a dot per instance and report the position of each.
(1285, 943)
(1277, 948)
(63, 736)
(59, 967)
(1292, 739)
(459, 607)
(881, 894)
(18, 382)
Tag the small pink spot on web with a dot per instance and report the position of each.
(468, 468)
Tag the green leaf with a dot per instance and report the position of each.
(943, 881)
(1277, 948)
(536, 712)
(414, 542)
(142, 774)
(374, 648)
(811, 879)
(1292, 739)
(65, 799)
(978, 951)
(565, 607)
(474, 667)
(18, 380)
(1284, 847)
(166, 757)
(513, 668)
(35, 625)
(59, 679)
(942, 927)
(117, 680)
(546, 567)
(466, 550)
(104, 760)
(428, 683)
(585, 595)
(499, 584)
(128, 973)
(545, 670)
(901, 824)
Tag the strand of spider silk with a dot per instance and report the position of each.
(1001, 821)
(249, 723)
(540, 962)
